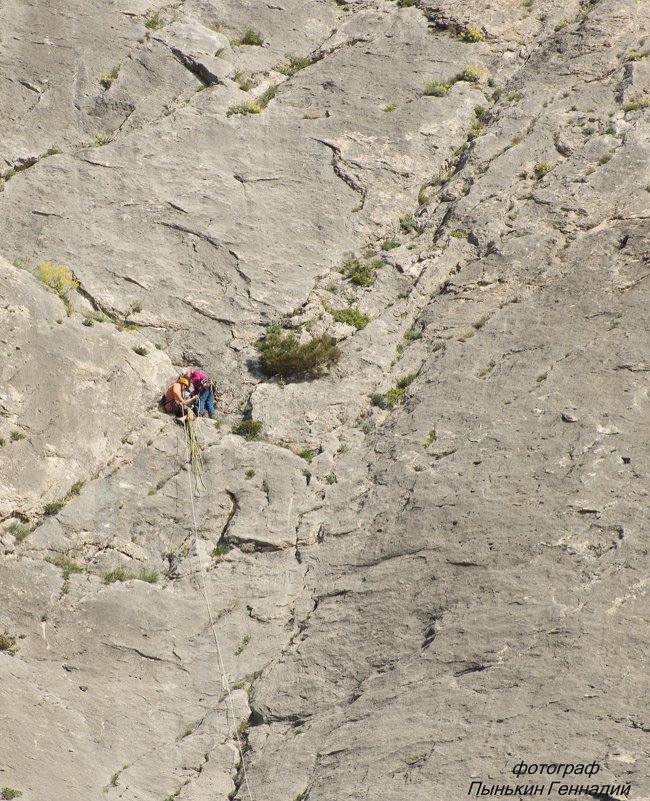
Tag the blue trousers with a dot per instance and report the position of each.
(206, 401)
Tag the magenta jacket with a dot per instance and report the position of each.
(196, 379)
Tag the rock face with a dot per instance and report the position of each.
(431, 564)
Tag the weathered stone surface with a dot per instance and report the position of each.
(430, 565)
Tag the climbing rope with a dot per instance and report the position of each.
(193, 451)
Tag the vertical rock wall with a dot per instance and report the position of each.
(431, 564)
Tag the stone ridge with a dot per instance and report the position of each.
(430, 565)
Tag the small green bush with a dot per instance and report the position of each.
(243, 644)
(412, 334)
(245, 108)
(308, 454)
(9, 793)
(17, 435)
(19, 531)
(140, 351)
(458, 234)
(469, 75)
(250, 38)
(437, 89)
(53, 508)
(471, 35)
(58, 278)
(389, 244)
(219, 551)
(248, 429)
(155, 22)
(149, 575)
(542, 169)
(3, 441)
(119, 574)
(100, 140)
(294, 64)
(53, 151)
(8, 644)
(406, 3)
(358, 273)
(350, 316)
(107, 79)
(67, 565)
(637, 104)
(394, 397)
(431, 438)
(283, 354)
(250, 473)
(245, 80)
(408, 224)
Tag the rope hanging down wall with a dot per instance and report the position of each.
(195, 475)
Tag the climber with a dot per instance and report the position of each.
(173, 400)
(206, 391)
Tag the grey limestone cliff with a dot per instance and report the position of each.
(432, 563)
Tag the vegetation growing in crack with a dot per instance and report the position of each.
(121, 574)
(395, 396)
(480, 115)
(408, 224)
(240, 648)
(293, 65)
(219, 552)
(58, 278)
(254, 106)
(68, 566)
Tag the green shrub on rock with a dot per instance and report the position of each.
(248, 429)
(281, 353)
